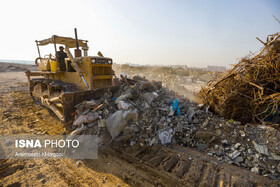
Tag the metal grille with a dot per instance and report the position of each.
(102, 83)
(102, 70)
(99, 70)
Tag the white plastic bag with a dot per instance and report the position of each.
(123, 105)
(165, 136)
(87, 118)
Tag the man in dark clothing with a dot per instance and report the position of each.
(61, 55)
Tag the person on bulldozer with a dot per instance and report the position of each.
(61, 55)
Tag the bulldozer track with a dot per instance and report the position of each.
(178, 166)
(145, 166)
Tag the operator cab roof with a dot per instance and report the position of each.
(67, 41)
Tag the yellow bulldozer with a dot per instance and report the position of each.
(82, 78)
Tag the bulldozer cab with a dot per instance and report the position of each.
(94, 71)
(66, 42)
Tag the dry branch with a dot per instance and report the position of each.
(250, 90)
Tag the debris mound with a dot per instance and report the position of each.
(183, 80)
(143, 111)
(250, 91)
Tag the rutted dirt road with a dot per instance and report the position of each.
(116, 165)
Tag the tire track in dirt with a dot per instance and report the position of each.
(163, 166)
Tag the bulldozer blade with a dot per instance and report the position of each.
(62, 98)
(71, 99)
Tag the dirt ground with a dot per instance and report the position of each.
(117, 165)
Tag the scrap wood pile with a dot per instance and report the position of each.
(250, 91)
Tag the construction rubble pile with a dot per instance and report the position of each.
(183, 80)
(250, 91)
(144, 113)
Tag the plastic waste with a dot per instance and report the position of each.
(123, 105)
(87, 118)
(165, 136)
(175, 106)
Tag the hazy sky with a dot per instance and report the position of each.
(194, 33)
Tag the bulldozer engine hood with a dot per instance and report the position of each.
(67, 41)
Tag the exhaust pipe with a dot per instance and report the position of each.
(78, 52)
